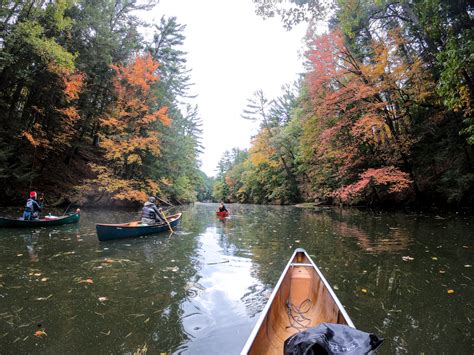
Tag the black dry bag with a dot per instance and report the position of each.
(334, 339)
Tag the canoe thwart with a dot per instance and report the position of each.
(301, 264)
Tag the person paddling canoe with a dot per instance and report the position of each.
(32, 208)
(150, 213)
(222, 208)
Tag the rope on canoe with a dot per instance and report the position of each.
(296, 314)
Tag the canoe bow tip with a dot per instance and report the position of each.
(300, 250)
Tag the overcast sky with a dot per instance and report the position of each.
(232, 53)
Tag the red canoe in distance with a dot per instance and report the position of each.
(222, 214)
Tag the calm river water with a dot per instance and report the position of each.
(407, 278)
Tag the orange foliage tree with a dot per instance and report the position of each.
(51, 126)
(130, 133)
(362, 109)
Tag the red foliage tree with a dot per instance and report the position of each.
(362, 109)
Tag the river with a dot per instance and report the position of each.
(407, 278)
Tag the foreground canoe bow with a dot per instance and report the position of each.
(302, 299)
(134, 229)
(43, 222)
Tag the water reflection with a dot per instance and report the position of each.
(31, 241)
(200, 289)
(372, 240)
(215, 317)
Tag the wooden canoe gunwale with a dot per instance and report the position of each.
(265, 313)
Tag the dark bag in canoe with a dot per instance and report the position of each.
(328, 338)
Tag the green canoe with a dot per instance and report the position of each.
(134, 229)
(43, 222)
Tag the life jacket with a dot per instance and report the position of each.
(32, 206)
(149, 211)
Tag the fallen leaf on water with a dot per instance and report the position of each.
(442, 271)
(467, 265)
(44, 279)
(40, 333)
(90, 281)
(19, 254)
(335, 287)
(434, 258)
(407, 258)
(103, 299)
(364, 290)
(44, 298)
(450, 291)
(37, 274)
(137, 315)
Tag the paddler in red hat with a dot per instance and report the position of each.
(32, 207)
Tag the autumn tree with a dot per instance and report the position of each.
(39, 89)
(130, 133)
(385, 114)
(177, 170)
(272, 151)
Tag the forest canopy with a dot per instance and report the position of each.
(383, 114)
(90, 110)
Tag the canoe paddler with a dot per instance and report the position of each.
(222, 208)
(150, 213)
(32, 208)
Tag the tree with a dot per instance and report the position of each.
(131, 132)
(293, 12)
(182, 139)
(39, 88)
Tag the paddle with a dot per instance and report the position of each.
(169, 225)
(67, 208)
(166, 202)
